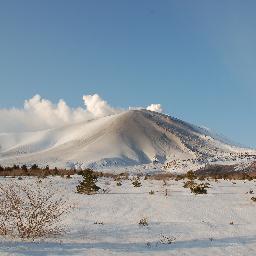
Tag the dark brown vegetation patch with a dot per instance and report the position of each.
(231, 172)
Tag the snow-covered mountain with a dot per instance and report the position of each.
(129, 138)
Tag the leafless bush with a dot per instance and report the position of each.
(136, 183)
(167, 239)
(98, 223)
(196, 188)
(30, 211)
(119, 183)
(143, 222)
(199, 189)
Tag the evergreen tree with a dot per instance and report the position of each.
(24, 167)
(34, 167)
(88, 184)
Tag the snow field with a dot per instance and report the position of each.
(200, 223)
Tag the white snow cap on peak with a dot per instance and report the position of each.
(155, 108)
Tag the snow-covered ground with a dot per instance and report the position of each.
(200, 224)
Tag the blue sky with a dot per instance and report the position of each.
(196, 58)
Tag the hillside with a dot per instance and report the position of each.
(133, 137)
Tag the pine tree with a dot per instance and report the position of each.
(88, 184)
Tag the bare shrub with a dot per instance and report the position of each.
(167, 239)
(30, 211)
(98, 223)
(136, 183)
(119, 183)
(143, 222)
(199, 189)
(148, 244)
(196, 188)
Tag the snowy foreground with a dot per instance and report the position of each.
(194, 224)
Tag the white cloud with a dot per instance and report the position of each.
(155, 107)
(97, 106)
(152, 107)
(39, 113)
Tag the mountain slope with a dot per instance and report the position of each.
(130, 138)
